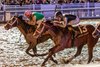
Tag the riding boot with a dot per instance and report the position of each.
(71, 29)
(73, 38)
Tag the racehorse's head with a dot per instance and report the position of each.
(96, 32)
(13, 22)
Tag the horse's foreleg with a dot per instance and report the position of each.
(28, 49)
(49, 55)
(35, 52)
(79, 49)
(33, 47)
(53, 60)
(52, 52)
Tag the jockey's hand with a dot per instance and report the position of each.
(57, 22)
(37, 34)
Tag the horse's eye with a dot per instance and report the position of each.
(9, 21)
(13, 19)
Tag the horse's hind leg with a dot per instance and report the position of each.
(90, 52)
(79, 49)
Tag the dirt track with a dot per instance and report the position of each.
(12, 52)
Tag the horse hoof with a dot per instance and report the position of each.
(66, 62)
(88, 62)
(43, 65)
(32, 55)
(55, 61)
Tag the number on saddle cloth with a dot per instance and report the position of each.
(76, 32)
(80, 30)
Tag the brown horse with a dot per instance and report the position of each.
(27, 31)
(96, 33)
(62, 39)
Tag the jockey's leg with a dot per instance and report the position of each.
(39, 22)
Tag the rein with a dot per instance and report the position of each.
(39, 31)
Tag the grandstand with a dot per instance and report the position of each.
(82, 8)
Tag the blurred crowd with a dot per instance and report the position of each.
(14, 2)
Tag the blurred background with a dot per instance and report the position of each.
(83, 8)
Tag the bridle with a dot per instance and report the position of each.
(97, 29)
(15, 21)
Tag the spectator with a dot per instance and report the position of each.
(60, 1)
(67, 1)
(33, 1)
(12, 2)
(27, 1)
(39, 2)
(45, 2)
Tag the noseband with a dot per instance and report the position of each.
(11, 24)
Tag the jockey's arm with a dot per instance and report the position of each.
(64, 22)
(39, 24)
(61, 23)
(33, 20)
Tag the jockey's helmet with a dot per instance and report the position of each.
(58, 13)
(27, 13)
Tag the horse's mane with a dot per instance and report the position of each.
(26, 26)
(55, 29)
(49, 22)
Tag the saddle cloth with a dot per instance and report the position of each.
(76, 32)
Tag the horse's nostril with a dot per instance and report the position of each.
(6, 27)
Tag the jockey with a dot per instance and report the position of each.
(34, 17)
(66, 19)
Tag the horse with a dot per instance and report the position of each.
(27, 31)
(96, 33)
(62, 39)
